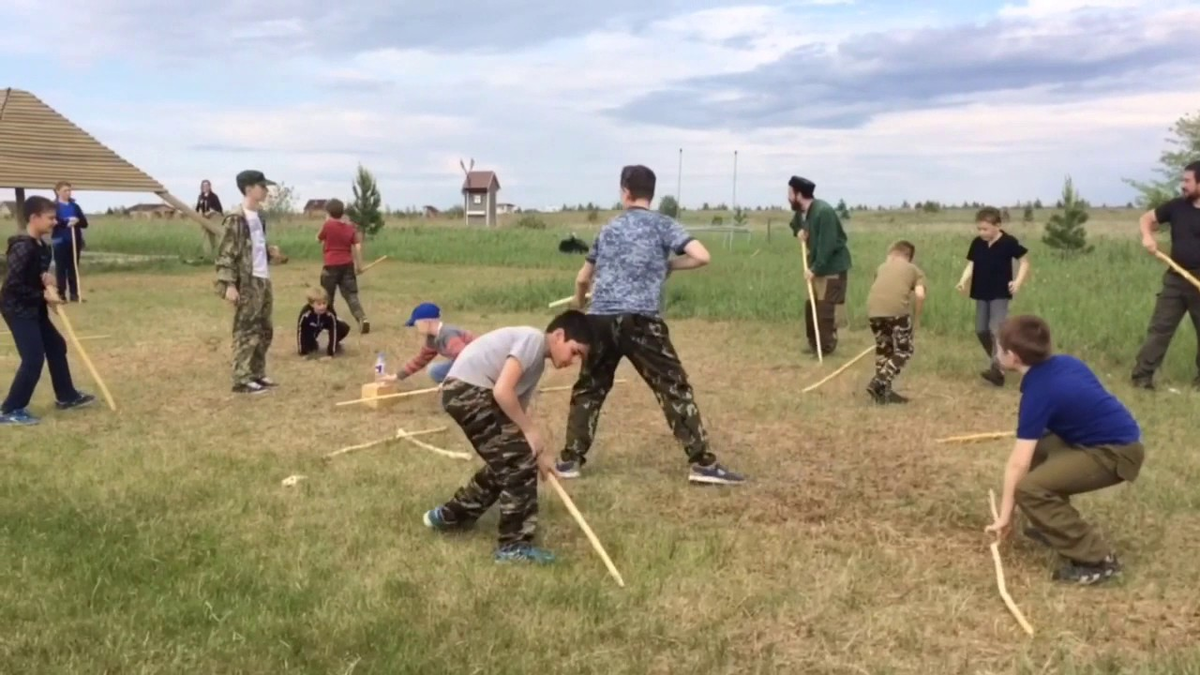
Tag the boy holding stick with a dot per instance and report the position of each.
(1073, 437)
(893, 305)
(437, 339)
(341, 245)
(25, 300)
(487, 392)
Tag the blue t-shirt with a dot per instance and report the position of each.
(631, 255)
(1061, 395)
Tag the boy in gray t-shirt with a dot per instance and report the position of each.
(487, 392)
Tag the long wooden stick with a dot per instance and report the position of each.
(839, 371)
(569, 387)
(430, 390)
(1000, 585)
(364, 270)
(560, 303)
(62, 313)
(812, 300)
(75, 266)
(566, 499)
(389, 439)
(990, 436)
(1175, 266)
(402, 434)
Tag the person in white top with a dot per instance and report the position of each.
(244, 280)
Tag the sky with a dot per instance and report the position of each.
(876, 101)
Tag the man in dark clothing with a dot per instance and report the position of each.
(1178, 296)
(828, 260)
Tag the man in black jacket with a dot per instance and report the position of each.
(25, 297)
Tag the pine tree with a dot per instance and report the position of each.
(842, 211)
(365, 211)
(1065, 231)
(1029, 213)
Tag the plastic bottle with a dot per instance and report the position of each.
(380, 366)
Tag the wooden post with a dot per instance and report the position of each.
(20, 214)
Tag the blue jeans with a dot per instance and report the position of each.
(438, 371)
(38, 342)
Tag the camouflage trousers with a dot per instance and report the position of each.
(646, 342)
(830, 293)
(509, 472)
(893, 348)
(252, 330)
(343, 277)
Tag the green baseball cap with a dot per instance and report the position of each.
(252, 177)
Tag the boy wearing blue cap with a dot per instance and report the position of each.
(436, 339)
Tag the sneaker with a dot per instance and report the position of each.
(876, 395)
(1086, 575)
(714, 474)
(523, 553)
(435, 519)
(366, 327)
(266, 382)
(81, 401)
(567, 469)
(994, 376)
(18, 418)
(252, 387)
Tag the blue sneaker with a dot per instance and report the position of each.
(435, 519)
(714, 474)
(81, 401)
(567, 469)
(18, 418)
(523, 553)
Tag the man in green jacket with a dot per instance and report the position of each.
(828, 260)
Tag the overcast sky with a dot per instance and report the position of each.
(875, 101)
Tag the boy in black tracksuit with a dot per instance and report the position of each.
(316, 318)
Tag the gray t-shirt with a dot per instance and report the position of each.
(631, 255)
(480, 362)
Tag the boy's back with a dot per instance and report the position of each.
(891, 294)
(337, 240)
(631, 255)
(1063, 396)
(480, 362)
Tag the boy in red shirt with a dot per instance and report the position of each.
(342, 245)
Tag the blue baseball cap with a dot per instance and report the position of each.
(425, 310)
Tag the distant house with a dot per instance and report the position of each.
(432, 211)
(479, 197)
(505, 208)
(8, 209)
(148, 211)
(315, 207)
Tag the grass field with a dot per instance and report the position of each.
(159, 539)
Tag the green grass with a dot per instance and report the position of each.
(158, 539)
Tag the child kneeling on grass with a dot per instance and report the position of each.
(25, 300)
(487, 392)
(1073, 437)
(437, 339)
(315, 318)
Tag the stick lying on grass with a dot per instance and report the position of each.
(62, 313)
(990, 436)
(1000, 585)
(1175, 266)
(566, 499)
(389, 439)
(430, 390)
(402, 434)
(381, 259)
(839, 371)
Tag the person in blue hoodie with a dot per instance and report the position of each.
(69, 216)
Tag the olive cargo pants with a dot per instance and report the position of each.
(1177, 297)
(1060, 471)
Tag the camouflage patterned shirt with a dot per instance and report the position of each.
(631, 255)
(235, 253)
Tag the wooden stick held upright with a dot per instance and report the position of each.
(62, 313)
(840, 370)
(812, 300)
(1000, 585)
(1175, 266)
(75, 266)
(566, 499)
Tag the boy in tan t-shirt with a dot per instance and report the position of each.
(892, 318)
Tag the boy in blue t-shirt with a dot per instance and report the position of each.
(1073, 437)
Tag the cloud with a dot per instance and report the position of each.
(867, 75)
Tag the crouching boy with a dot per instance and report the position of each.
(487, 392)
(1073, 437)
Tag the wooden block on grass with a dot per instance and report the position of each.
(374, 389)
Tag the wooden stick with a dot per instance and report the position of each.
(566, 499)
(75, 266)
(1000, 585)
(560, 303)
(993, 435)
(569, 387)
(812, 300)
(62, 313)
(389, 439)
(400, 433)
(95, 337)
(381, 259)
(1175, 266)
(837, 372)
(403, 394)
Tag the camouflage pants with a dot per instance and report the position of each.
(343, 277)
(509, 473)
(252, 330)
(830, 292)
(893, 348)
(646, 342)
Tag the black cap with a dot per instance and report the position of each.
(252, 177)
(802, 185)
